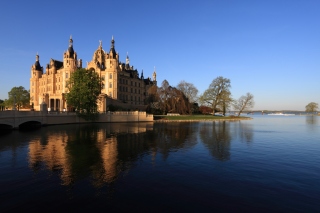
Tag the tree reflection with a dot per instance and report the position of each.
(216, 138)
(174, 136)
(312, 120)
(245, 131)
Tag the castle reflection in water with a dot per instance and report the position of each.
(77, 150)
(104, 151)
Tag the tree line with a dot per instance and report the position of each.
(184, 99)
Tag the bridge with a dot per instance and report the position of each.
(20, 119)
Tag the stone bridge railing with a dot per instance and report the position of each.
(13, 119)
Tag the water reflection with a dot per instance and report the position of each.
(79, 151)
(170, 137)
(245, 131)
(104, 151)
(312, 120)
(216, 137)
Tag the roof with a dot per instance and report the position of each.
(38, 66)
(57, 64)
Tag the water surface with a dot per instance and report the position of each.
(260, 165)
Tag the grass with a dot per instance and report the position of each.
(196, 117)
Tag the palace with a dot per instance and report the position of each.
(121, 84)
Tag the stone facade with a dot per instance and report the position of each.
(121, 83)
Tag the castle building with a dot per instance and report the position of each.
(121, 83)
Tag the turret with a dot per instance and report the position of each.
(36, 68)
(70, 57)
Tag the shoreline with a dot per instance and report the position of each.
(202, 120)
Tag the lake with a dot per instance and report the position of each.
(267, 164)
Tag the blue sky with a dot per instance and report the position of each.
(268, 48)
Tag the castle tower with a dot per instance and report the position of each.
(36, 73)
(70, 57)
(112, 70)
(70, 64)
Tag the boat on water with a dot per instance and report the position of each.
(280, 113)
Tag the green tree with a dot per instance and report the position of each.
(18, 97)
(2, 105)
(84, 89)
(245, 102)
(312, 107)
(218, 95)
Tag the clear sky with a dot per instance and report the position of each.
(269, 48)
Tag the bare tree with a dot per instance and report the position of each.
(312, 107)
(218, 94)
(164, 95)
(245, 102)
(172, 99)
(189, 90)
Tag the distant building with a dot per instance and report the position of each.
(121, 83)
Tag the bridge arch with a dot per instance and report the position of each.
(5, 126)
(30, 125)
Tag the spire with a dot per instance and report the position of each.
(70, 41)
(100, 45)
(37, 63)
(112, 43)
(70, 49)
(112, 50)
(154, 75)
(142, 74)
(127, 59)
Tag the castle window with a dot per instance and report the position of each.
(110, 76)
(67, 75)
(135, 84)
(110, 94)
(135, 90)
(110, 85)
(131, 83)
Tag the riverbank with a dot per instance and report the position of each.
(197, 118)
